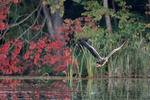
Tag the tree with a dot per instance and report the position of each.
(107, 18)
(115, 20)
(53, 11)
(27, 49)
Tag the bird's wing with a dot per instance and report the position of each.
(91, 49)
(110, 54)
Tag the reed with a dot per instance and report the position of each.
(131, 61)
(80, 59)
(70, 75)
(86, 61)
(112, 89)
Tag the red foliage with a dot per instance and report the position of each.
(37, 95)
(3, 25)
(55, 54)
(8, 64)
(16, 1)
(44, 51)
(14, 97)
(12, 89)
(75, 26)
(4, 11)
(37, 27)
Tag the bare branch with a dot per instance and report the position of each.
(39, 31)
(22, 21)
(18, 23)
(26, 29)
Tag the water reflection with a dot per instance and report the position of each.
(97, 89)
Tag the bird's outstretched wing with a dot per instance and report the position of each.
(110, 54)
(91, 49)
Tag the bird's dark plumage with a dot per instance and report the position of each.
(91, 49)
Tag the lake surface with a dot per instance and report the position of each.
(75, 89)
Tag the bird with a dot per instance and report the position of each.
(101, 61)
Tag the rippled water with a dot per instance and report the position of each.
(76, 89)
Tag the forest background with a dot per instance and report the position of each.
(40, 37)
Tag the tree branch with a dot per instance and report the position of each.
(18, 23)
(27, 29)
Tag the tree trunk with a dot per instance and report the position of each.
(54, 20)
(107, 18)
(57, 20)
(149, 3)
(115, 20)
(48, 20)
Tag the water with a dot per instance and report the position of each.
(76, 89)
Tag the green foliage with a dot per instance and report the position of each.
(123, 5)
(90, 33)
(19, 12)
(45, 69)
(55, 4)
(133, 59)
(94, 10)
(80, 1)
(87, 65)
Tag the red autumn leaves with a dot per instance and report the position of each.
(43, 52)
(37, 27)
(8, 64)
(4, 11)
(36, 54)
(21, 89)
(54, 53)
(3, 14)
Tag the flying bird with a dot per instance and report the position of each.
(100, 60)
